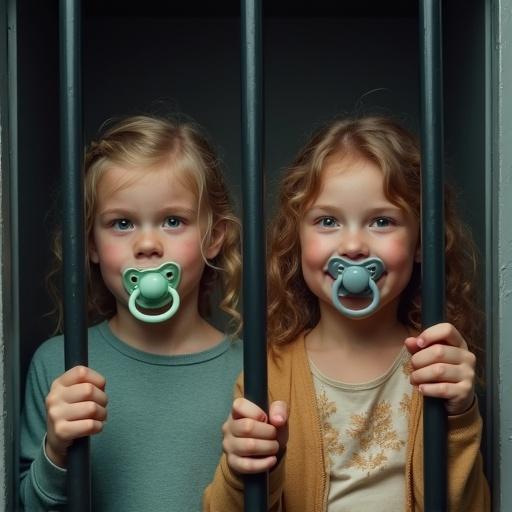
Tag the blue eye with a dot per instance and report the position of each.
(382, 222)
(328, 222)
(172, 222)
(122, 224)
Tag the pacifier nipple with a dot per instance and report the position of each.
(153, 288)
(356, 279)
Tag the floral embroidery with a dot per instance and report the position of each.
(333, 445)
(374, 432)
(407, 367)
(405, 404)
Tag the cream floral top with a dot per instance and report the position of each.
(365, 434)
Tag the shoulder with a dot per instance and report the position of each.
(49, 356)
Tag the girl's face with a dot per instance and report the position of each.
(145, 217)
(352, 217)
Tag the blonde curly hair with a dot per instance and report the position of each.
(292, 307)
(145, 141)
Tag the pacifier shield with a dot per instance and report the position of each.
(153, 288)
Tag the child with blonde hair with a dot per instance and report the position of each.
(160, 232)
(348, 360)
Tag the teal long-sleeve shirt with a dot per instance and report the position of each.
(162, 439)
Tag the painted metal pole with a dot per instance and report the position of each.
(254, 257)
(73, 234)
(433, 248)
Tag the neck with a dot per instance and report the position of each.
(186, 332)
(358, 335)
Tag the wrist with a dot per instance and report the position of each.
(54, 456)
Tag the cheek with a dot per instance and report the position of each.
(312, 253)
(398, 253)
(110, 255)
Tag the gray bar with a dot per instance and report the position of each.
(73, 234)
(432, 228)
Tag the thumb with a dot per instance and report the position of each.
(278, 413)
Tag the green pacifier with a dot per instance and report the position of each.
(153, 288)
(355, 279)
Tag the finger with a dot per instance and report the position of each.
(84, 392)
(411, 344)
(249, 428)
(278, 413)
(79, 374)
(446, 390)
(443, 354)
(243, 408)
(441, 372)
(69, 430)
(248, 465)
(250, 447)
(441, 333)
(79, 411)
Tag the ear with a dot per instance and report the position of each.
(217, 238)
(93, 252)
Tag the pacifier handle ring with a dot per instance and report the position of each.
(355, 313)
(153, 319)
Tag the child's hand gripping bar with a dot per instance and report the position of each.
(153, 288)
(356, 279)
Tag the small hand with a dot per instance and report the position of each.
(443, 367)
(75, 407)
(252, 442)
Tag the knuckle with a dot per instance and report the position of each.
(439, 369)
(471, 359)
(92, 408)
(250, 445)
(439, 352)
(81, 371)
(247, 426)
(88, 390)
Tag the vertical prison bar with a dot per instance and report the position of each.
(254, 281)
(73, 238)
(432, 240)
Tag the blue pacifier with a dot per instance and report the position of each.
(357, 279)
(153, 288)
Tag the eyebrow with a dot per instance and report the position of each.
(379, 209)
(167, 210)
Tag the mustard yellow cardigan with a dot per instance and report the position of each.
(300, 483)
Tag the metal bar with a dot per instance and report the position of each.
(10, 250)
(432, 229)
(73, 234)
(254, 282)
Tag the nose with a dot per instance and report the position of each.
(353, 245)
(148, 245)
